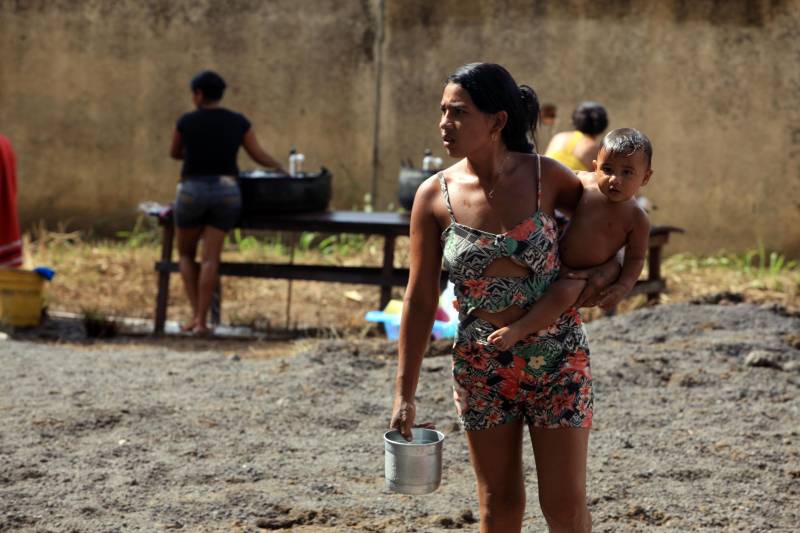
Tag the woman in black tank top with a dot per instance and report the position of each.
(208, 202)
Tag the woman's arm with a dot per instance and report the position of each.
(177, 150)
(420, 303)
(561, 188)
(254, 150)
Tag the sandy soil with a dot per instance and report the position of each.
(697, 426)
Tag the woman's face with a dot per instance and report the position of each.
(464, 128)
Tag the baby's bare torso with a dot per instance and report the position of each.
(597, 230)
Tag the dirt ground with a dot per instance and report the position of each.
(696, 428)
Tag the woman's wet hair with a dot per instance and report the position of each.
(590, 118)
(492, 89)
(210, 84)
(626, 142)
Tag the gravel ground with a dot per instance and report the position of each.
(697, 426)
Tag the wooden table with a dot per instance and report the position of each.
(387, 224)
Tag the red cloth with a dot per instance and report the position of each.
(10, 243)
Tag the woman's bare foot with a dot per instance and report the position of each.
(201, 330)
(189, 326)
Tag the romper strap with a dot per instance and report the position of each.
(538, 182)
(446, 194)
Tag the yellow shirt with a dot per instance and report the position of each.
(564, 154)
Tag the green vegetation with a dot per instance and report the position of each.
(144, 231)
(762, 269)
(308, 242)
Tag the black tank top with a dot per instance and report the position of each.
(211, 137)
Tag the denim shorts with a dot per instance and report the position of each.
(208, 201)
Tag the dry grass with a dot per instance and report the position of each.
(117, 278)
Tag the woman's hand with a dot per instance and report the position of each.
(597, 278)
(403, 414)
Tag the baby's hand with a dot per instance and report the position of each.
(612, 296)
(504, 338)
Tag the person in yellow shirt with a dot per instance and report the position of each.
(577, 149)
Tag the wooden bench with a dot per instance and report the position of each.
(654, 284)
(387, 224)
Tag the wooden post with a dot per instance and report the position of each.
(163, 276)
(654, 270)
(388, 267)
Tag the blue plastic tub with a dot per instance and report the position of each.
(391, 323)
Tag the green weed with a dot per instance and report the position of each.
(756, 262)
(145, 231)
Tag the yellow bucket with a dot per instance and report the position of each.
(21, 299)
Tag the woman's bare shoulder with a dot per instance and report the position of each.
(429, 200)
(556, 169)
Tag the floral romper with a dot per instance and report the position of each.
(544, 378)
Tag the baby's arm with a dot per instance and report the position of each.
(558, 297)
(635, 251)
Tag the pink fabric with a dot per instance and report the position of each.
(10, 243)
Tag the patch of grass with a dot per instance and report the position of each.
(756, 274)
(144, 231)
(117, 277)
(757, 262)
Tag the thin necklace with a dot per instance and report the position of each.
(497, 176)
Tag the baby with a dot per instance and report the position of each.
(606, 219)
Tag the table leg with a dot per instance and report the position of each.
(163, 278)
(388, 266)
(654, 270)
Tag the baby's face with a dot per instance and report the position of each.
(619, 177)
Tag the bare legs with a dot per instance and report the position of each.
(187, 250)
(560, 454)
(496, 456)
(561, 471)
(199, 282)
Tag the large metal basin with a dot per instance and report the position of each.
(268, 192)
(408, 181)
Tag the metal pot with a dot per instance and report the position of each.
(413, 467)
(269, 192)
(409, 180)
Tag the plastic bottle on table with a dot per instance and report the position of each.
(296, 163)
(428, 162)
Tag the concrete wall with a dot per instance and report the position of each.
(715, 84)
(89, 91)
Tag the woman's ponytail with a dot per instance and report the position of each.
(530, 105)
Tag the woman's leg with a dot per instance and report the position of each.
(213, 239)
(496, 456)
(187, 250)
(561, 470)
